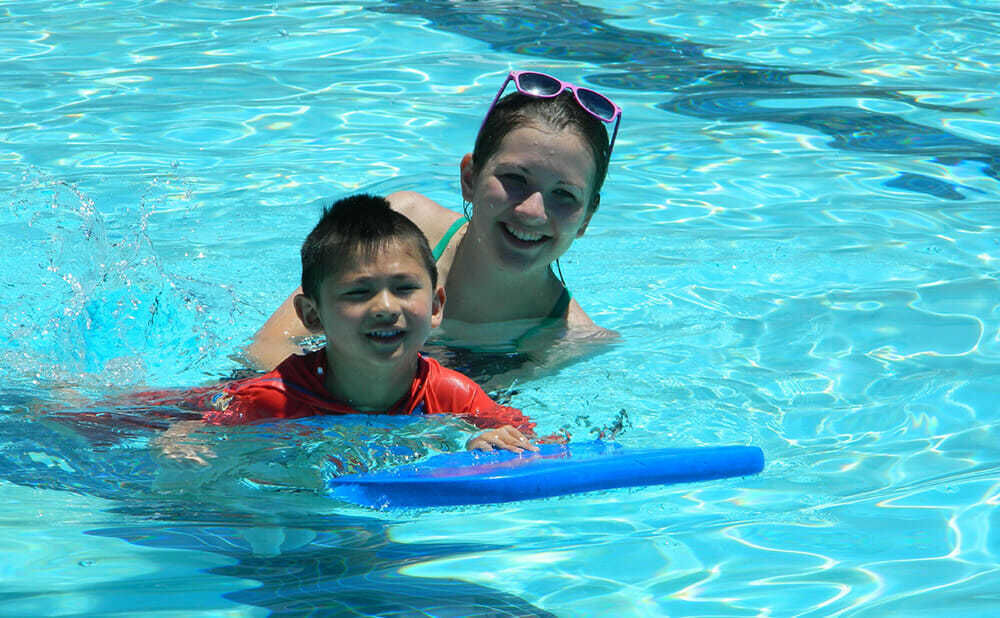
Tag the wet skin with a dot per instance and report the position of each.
(376, 314)
(532, 197)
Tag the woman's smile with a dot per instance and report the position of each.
(524, 236)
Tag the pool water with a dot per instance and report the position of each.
(799, 242)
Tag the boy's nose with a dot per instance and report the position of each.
(385, 305)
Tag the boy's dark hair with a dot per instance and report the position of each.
(357, 226)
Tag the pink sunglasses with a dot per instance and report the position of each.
(544, 86)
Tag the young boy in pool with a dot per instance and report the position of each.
(369, 283)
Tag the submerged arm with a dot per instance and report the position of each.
(181, 443)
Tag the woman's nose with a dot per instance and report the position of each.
(532, 208)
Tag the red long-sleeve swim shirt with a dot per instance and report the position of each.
(296, 389)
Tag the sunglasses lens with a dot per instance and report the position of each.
(538, 85)
(596, 104)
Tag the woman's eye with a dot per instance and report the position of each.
(513, 179)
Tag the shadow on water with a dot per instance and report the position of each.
(706, 87)
(330, 564)
(303, 561)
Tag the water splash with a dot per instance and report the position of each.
(90, 300)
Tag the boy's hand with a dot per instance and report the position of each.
(507, 438)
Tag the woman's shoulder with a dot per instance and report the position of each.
(432, 218)
(580, 325)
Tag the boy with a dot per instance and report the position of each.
(370, 285)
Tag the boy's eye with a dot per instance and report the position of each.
(407, 288)
(566, 200)
(565, 195)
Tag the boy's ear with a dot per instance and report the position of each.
(308, 312)
(468, 176)
(437, 307)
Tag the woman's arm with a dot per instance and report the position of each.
(273, 342)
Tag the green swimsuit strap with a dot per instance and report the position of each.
(443, 243)
(557, 313)
(559, 310)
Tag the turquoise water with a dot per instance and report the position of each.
(798, 242)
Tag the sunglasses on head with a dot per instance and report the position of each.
(543, 86)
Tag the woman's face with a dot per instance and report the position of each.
(532, 198)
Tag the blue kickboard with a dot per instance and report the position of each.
(479, 477)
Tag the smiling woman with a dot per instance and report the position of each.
(533, 181)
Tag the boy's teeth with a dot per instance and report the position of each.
(523, 235)
(385, 333)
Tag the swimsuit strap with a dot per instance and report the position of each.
(439, 248)
(557, 313)
(559, 310)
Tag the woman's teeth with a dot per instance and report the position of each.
(524, 235)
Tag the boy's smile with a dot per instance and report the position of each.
(380, 308)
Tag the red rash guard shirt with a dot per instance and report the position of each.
(296, 389)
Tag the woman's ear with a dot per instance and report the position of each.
(308, 313)
(437, 307)
(468, 176)
(590, 213)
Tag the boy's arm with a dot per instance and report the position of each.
(506, 428)
(186, 441)
(485, 413)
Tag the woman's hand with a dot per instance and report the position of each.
(507, 438)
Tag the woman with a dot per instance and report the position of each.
(533, 182)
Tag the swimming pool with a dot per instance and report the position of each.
(798, 241)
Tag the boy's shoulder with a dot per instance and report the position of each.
(303, 371)
(310, 366)
(449, 387)
(451, 392)
(293, 389)
(441, 374)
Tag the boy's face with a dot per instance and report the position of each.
(376, 311)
